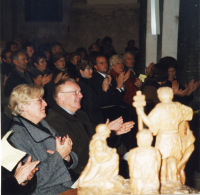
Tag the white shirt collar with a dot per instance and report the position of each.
(102, 74)
(70, 112)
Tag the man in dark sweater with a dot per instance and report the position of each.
(19, 74)
(66, 117)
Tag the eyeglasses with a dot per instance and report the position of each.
(43, 61)
(88, 69)
(75, 92)
(40, 100)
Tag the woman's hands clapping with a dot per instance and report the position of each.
(61, 76)
(46, 79)
(192, 86)
(64, 146)
(25, 172)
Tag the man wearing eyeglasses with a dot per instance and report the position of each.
(66, 117)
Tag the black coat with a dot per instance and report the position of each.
(134, 74)
(6, 68)
(91, 100)
(80, 130)
(56, 71)
(14, 80)
(113, 95)
(48, 88)
(10, 186)
(72, 70)
(112, 105)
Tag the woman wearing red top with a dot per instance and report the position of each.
(117, 70)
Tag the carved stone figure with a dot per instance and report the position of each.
(103, 165)
(144, 165)
(187, 141)
(163, 121)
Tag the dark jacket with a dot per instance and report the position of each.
(48, 88)
(35, 72)
(113, 95)
(6, 69)
(91, 100)
(56, 71)
(134, 73)
(129, 87)
(16, 79)
(10, 186)
(80, 130)
(112, 105)
(150, 92)
(72, 70)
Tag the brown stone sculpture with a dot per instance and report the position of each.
(163, 121)
(187, 141)
(144, 165)
(100, 175)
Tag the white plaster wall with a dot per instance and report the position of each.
(170, 28)
(151, 40)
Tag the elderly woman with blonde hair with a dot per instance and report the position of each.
(32, 134)
(116, 64)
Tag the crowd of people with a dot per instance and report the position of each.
(53, 100)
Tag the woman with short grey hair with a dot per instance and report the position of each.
(114, 59)
(117, 71)
(33, 135)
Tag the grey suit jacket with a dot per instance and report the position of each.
(53, 176)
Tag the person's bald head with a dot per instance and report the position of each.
(67, 94)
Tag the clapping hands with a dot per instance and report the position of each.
(106, 82)
(5, 79)
(122, 78)
(138, 83)
(46, 79)
(25, 172)
(119, 127)
(61, 76)
(189, 88)
(63, 147)
(38, 80)
(192, 86)
(41, 81)
(177, 91)
(148, 69)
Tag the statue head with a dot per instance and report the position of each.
(103, 130)
(165, 94)
(144, 138)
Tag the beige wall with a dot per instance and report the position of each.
(120, 22)
(82, 24)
